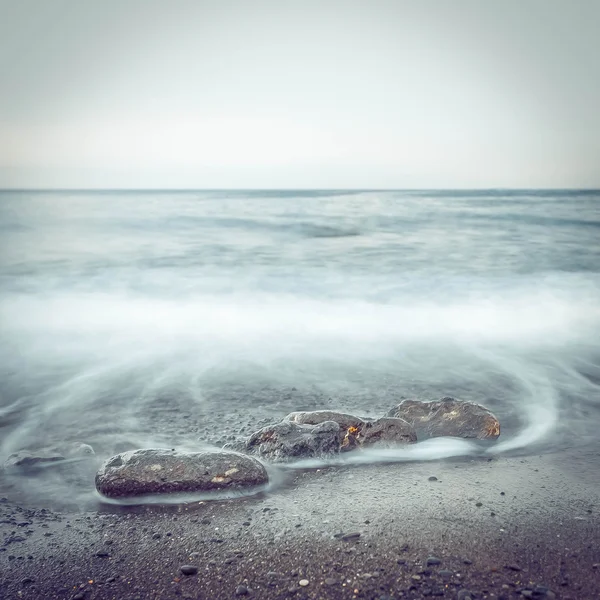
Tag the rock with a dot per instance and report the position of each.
(316, 417)
(448, 417)
(303, 582)
(288, 440)
(387, 431)
(324, 433)
(241, 590)
(189, 569)
(432, 560)
(356, 431)
(25, 459)
(161, 471)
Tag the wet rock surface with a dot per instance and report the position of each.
(289, 440)
(325, 433)
(162, 471)
(387, 431)
(315, 417)
(448, 417)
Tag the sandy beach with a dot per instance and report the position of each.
(501, 528)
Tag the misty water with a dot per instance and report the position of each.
(190, 319)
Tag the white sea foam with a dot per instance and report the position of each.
(111, 301)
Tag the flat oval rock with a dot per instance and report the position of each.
(448, 417)
(162, 471)
(290, 440)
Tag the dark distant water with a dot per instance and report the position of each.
(131, 319)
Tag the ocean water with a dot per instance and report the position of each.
(133, 319)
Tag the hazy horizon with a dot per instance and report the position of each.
(298, 189)
(299, 95)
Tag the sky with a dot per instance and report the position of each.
(299, 94)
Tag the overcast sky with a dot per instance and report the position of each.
(324, 93)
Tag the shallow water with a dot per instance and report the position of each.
(132, 319)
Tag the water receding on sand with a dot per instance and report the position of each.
(191, 320)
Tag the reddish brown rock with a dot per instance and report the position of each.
(448, 417)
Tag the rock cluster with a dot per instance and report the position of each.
(321, 433)
(325, 433)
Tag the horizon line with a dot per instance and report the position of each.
(298, 189)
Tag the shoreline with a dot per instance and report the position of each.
(527, 526)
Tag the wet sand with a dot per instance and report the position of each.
(519, 527)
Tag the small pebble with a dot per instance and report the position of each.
(189, 569)
(303, 582)
(433, 478)
(432, 560)
(241, 590)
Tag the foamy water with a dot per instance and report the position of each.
(143, 319)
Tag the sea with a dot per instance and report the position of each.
(189, 319)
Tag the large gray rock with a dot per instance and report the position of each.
(357, 431)
(161, 471)
(288, 440)
(448, 417)
(325, 433)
